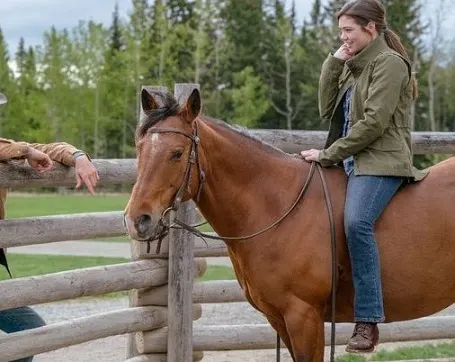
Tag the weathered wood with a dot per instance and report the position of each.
(202, 248)
(141, 337)
(158, 295)
(161, 357)
(225, 291)
(111, 171)
(82, 282)
(47, 229)
(116, 171)
(262, 336)
(136, 245)
(180, 281)
(68, 333)
(298, 140)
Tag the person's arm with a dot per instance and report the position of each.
(10, 149)
(58, 151)
(68, 155)
(388, 76)
(328, 86)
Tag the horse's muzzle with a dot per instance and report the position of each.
(144, 227)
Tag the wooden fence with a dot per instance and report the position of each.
(163, 300)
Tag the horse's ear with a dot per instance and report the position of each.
(192, 107)
(149, 102)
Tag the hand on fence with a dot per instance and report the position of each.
(86, 173)
(39, 160)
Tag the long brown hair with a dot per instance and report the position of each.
(364, 11)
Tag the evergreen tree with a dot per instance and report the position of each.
(7, 87)
(117, 112)
(244, 32)
(283, 62)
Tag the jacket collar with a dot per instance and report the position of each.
(358, 62)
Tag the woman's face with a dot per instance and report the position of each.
(355, 36)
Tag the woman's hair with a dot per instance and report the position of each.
(364, 11)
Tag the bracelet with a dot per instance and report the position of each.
(77, 154)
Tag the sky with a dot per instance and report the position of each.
(31, 18)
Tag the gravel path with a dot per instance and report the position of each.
(112, 349)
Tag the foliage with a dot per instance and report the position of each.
(256, 64)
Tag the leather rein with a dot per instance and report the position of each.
(193, 160)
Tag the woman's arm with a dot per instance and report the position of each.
(328, 86)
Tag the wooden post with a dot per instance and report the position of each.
(180, 338)
(139, 248)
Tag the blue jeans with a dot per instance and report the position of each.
(20, 319)
(366, 199)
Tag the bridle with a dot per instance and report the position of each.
(193, 160)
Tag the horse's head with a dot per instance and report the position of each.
(168, 169)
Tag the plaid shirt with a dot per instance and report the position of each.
(348, 162)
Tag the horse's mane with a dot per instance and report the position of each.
(169, 107)
(243, 131)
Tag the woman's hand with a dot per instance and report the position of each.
(311, 155)
(343, 52)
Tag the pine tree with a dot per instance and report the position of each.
(331, 38)
(56, 78)
(7, 87)
(180, 11)
(244, 31)
(117, 89)
(282, 63)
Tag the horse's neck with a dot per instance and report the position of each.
(248, 185)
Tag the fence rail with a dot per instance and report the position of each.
(159, 311)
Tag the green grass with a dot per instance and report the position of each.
(351, 358)
(24, 265)
(217, 272)
(441, 350)
(27, 205)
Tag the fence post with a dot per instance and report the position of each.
(136, 246)
(181, 243)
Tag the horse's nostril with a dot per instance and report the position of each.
(143, 223)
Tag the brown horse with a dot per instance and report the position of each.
(286, 272)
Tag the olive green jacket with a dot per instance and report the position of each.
(381, 95)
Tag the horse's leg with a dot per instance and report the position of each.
(280, 326)
(305, 327)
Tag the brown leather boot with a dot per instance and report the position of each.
(364, 338)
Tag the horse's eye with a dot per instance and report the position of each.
(176, 154)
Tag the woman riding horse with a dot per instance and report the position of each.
(366, 91)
